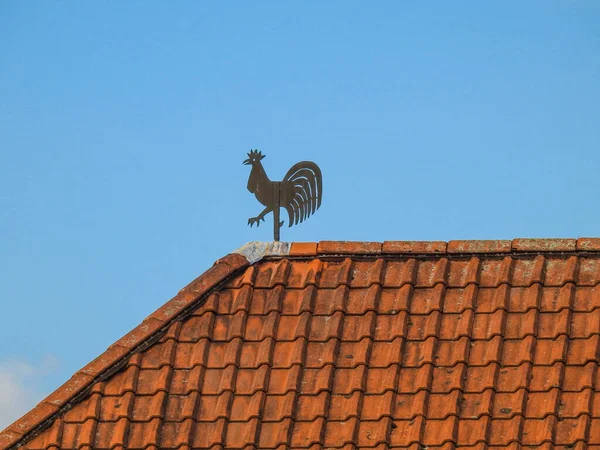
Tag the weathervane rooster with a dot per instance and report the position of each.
(299, 192)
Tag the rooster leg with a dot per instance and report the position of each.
(256, 220)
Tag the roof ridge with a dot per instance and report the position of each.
(492, 246)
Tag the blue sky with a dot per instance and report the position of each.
(123, 126)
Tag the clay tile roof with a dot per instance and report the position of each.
(341, 345)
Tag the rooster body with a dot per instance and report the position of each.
(299, 192)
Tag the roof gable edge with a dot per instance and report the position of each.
(151, 328)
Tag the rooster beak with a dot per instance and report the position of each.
(247, 162)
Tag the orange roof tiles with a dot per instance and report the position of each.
(400, 345)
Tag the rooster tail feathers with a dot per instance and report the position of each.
(306, 185)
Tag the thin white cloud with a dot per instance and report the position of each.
(20, 389)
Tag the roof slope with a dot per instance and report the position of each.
(481, 344)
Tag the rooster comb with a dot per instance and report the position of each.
(255, 153)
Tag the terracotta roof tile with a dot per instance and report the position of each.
(473, 432)
(328, 301)
(360, 301)
(589, 272)
(400, 273)
(420, 327)
(355, 328)
(450, 353)
(545, 377)
(440, 406)
(291, 328)
(542, 404)
(367, 273)
(184, 406)
(474, 344)
(580, 351)
(278, 407)
(384, 354)
(517, 351)
(282, 381)
(418, 353)
(438, 432)
(246, 407)
(287, 354)
(590, 244)
(217, 381)
(495, 271)
(509, 404)
(551, 325)
(414, 247)
(407, 432)
(569, 431)
(303, 249)
(485, 352)
(305, 434)
(454, 326)
(447, 379)
(390, 326)
(511, 379)
(409, 406)
(173, 435)
(490, 300)
(492, 246)
(335, 273)
(380, 380)
(431, 272)
(266, 300)
(341, 407)
(584, 325)
(208, 434)
(371, 433)
(573, 404)
(594, 437)
(315, 381)
(347, 381)
(414, 379)
(556, 299)
(549, 351)
(473, 406)
(505, 431)
(347, 247)
(375, 407)
(184, 382)
(274, 434)
(577, 378)
(548, 245)
(320, 354)
(323, 328)
(480, 378)
(303, 274)
(395, 300)
(538, 431)
(487, 325)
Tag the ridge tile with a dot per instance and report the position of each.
(544, 245)
(431, 247)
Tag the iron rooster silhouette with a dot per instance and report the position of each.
(299, 192)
